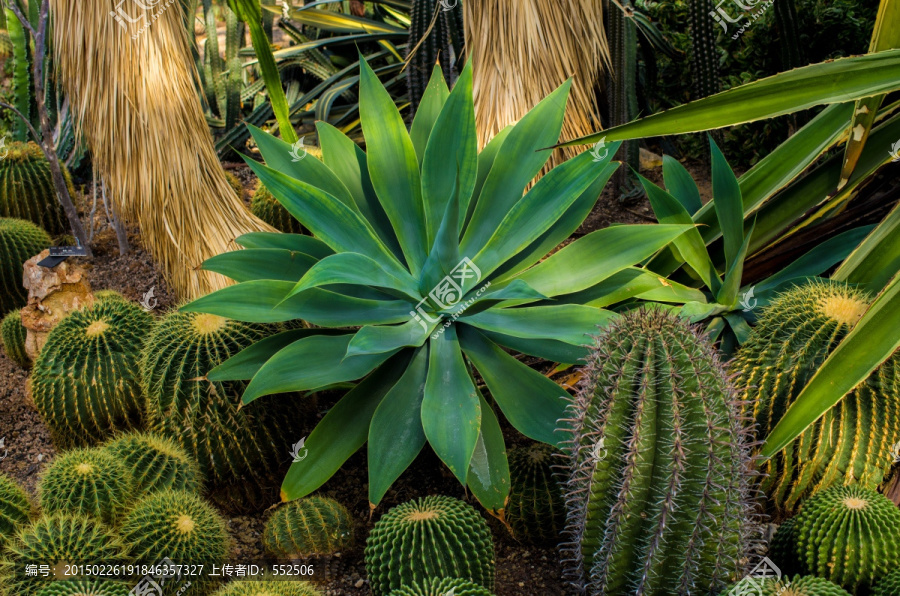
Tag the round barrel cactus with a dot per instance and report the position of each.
(229, 443)
(27, 190)
(268, 588)
(793, 337)
(19, 241)
(442, 587)
(175, 524)
(12, 336)
(60, 538)
(658, 495)
(108, 295)
(267, 208)
(86, 382)
(535, 511)
(312, 526)
(86, 587)
(849, 535)
(783, 547)
(808, 585)
(889, 585)
(430, 537)
(87, 481)
(15, 507)
(156, 462)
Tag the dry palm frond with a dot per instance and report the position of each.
(524, 49)
(133, 94)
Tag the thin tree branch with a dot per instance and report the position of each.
(34, 133)
(25, 22)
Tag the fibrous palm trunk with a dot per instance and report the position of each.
(127, 71)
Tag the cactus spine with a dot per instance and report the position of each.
(86, 587)
(85, 382)
(659, 490)
(15, 507)
(312, 526)
(536, 511)
(442, 587)
(27, 191)
(203, 415)
(791, 340)
(89, 482)
(848, 535)
(156, 463)
(267, 208)
(19, 241)
(12, 336)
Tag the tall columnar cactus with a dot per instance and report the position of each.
(15, 507)
(848, 535)
(12, 337)
(55, 539)
(268, 588)
(658, 493)
(536, 511)
(19, 241)
(156, 462)
(889, 585)
(442, 587)
(175, 524)
(85, 382)
(845, 446)
(86, 587)
(430, 537)
(89, 482)
(267, 208)
(27, 191)
(203, 415)
(312, 526)
(808, 585)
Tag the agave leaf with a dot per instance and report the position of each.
(341, 23)
(246, 363)
(874, 261)
(433, 100)
(485, 165)
(727, 294)
(300, 243)
(378, 339)
(489, 468)
(260, 263)
(568, 323)
(728, 205)
(681, 185)
(355, 269)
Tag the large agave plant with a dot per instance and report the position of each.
(425, 262)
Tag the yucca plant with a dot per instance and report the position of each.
(435, 253)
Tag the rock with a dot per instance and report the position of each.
(52, 294)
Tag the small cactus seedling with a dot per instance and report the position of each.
(663, 507)
(808, 585)
(536, 511)
(453, 586)
(267, 208)
(268, 588)
(58, 539)
(19, 241)
(431, 537)
(204, 416)
(793, 338)
(87, 481)
(889, 585)
(27, 190)
(86, 382)
(12, 336)
(311, 526)
(86, 587)
(848, 535)
(15, 507)
(156, 462)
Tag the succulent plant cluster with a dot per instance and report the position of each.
(659, 492)
(27, 190)
(852, 442)
(306, 527)
(431, 537)
(12, 337)
(19, 241)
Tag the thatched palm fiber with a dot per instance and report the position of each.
(138, 109)
(525, 49)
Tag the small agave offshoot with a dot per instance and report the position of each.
(425, 264)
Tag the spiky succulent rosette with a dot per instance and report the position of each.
(87, 481)
(442, 587)
(15, 507)
(659, 493)
(889, 585)
(268, 588)
(305, 527)
(27, 190)
(86, 587)
(852, 442)
(426, 262)
(86, 382)
(430, 537)
(12, 337)
(19, 241)
(797, 585)
(536, 511)
(848, 535)
(58, 539)
(230, 443)
(156, 462)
